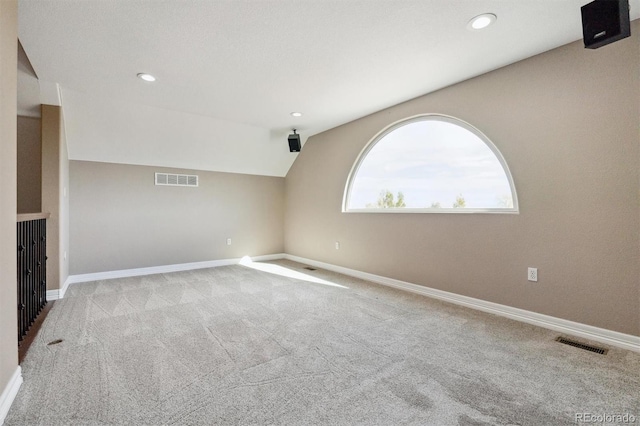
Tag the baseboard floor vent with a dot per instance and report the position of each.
(170, 179)
(601, 351)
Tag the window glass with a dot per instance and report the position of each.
(430, 163)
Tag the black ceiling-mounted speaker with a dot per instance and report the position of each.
(294, 142)
(605, 21)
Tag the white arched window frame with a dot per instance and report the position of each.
(427, 117)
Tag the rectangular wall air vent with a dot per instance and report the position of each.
(170, 179)
(590, 348)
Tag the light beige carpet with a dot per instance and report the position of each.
(239, 346)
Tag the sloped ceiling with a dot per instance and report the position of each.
(229, 73)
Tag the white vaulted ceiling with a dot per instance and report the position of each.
(229, 73)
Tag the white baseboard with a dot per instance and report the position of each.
(53, 295)
(9, 393)
(613, 338)
(59, 293)
(82, 278)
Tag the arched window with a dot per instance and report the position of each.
(430, 164)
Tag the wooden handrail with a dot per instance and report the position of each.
(32, 216)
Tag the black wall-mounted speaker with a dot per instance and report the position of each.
(605, 21)
(294, 143)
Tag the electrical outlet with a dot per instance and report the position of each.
(532, 274)
(228, 241)
(337, 245)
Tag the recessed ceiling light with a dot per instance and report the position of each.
(146, 77)
(482, 21)
(296, 114)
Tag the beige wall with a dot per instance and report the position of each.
(29, 165)
(566, 122)
(8, 192)
(121, 220)
(63, 196)
(51, 191)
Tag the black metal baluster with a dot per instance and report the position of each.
(32, 272)
(20, 267)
